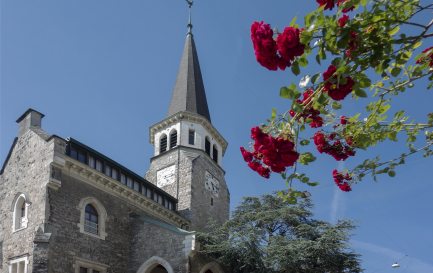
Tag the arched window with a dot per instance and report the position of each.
(20, 212)
(173, 139)
(207, 146)
(91, 220)
(215, 153)
(93, 217)
(163, 143)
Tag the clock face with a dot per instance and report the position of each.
(166, 176)
(212, 184)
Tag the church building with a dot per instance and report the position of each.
(67, 208)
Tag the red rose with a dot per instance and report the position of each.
(342, 180)
(270, 153)
(289, 45)
(265, 47)
(343, 20)
(329, 4)
(331, 144)
(336, 90)
(427, 54)
(248, 156)
(343, 120)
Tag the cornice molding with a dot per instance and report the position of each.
(187, 116)
(98, 180)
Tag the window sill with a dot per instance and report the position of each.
(20, 229)
(101, 236)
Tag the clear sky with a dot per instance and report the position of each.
(102, 71)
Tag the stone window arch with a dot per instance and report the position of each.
(155, 265)
(93, 218)
(212, 267)
(173, 138)
(163, 143)
(20, 212)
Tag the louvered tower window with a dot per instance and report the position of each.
(191, 137)
(207, 146)
(163, 144)
(173, 139)
(215, 153)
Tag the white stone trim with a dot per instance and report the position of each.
(153, 262)
(102, 217)
(189, 244)
(19, 200)
(113, 187)
(18, 261)
(212, 266)
(79, 262)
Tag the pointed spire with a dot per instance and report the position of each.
(189, 94)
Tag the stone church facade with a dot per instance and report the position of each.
(66, 208)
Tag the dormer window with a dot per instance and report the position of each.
(207, 146)
(173, 139)
(191, 137)
(163, 143)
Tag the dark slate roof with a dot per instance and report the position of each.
(189, 94)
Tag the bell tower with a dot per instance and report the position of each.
(188, 149)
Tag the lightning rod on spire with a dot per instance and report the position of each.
(190, 2)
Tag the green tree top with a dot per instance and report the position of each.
(269, 235)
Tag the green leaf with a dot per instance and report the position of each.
(360, 93)
(284, 92)
(315, 77)
(391, 173)
(306, 158)
(364, 81)
(274, 113)
(318, 59)
(295, 68)
(336, 105)
(304, 142)
(303, 62)
(293, 22)
(395, 71)
(417, 44)
(394, 31)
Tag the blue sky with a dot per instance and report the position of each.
(103, 71)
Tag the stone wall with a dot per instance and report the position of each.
(151, 238)
(127, 244)
(68, 243)
(207, 207)
(27, 171)
(194, 201)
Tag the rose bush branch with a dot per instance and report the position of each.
(372, 59)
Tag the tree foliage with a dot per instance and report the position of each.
(267, 234)
(369, 51)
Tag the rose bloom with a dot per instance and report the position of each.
(329, 4)
(343, 20)
(289, 45)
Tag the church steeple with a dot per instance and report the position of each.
(189, 94)
(189, 150)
